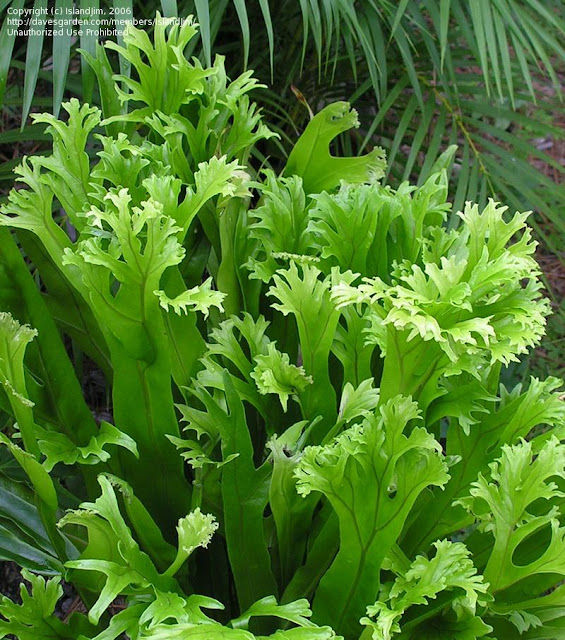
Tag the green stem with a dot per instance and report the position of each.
(24, 417)
(144, 409)
(227, 280)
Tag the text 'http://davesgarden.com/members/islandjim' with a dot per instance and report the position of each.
(75, 21)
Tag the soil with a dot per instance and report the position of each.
(11, 582)
(549, 358)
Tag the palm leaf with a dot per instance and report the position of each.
(495, 148)
(61, 56)
(33, 55)
(203, 14)
(169, 8)
(7, 39)
(331, 28)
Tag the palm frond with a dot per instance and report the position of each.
(495, 152)
(56, 65)
(7, 40)
(33, 54)
(371, 33)
(368, 34)
(61, 57)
